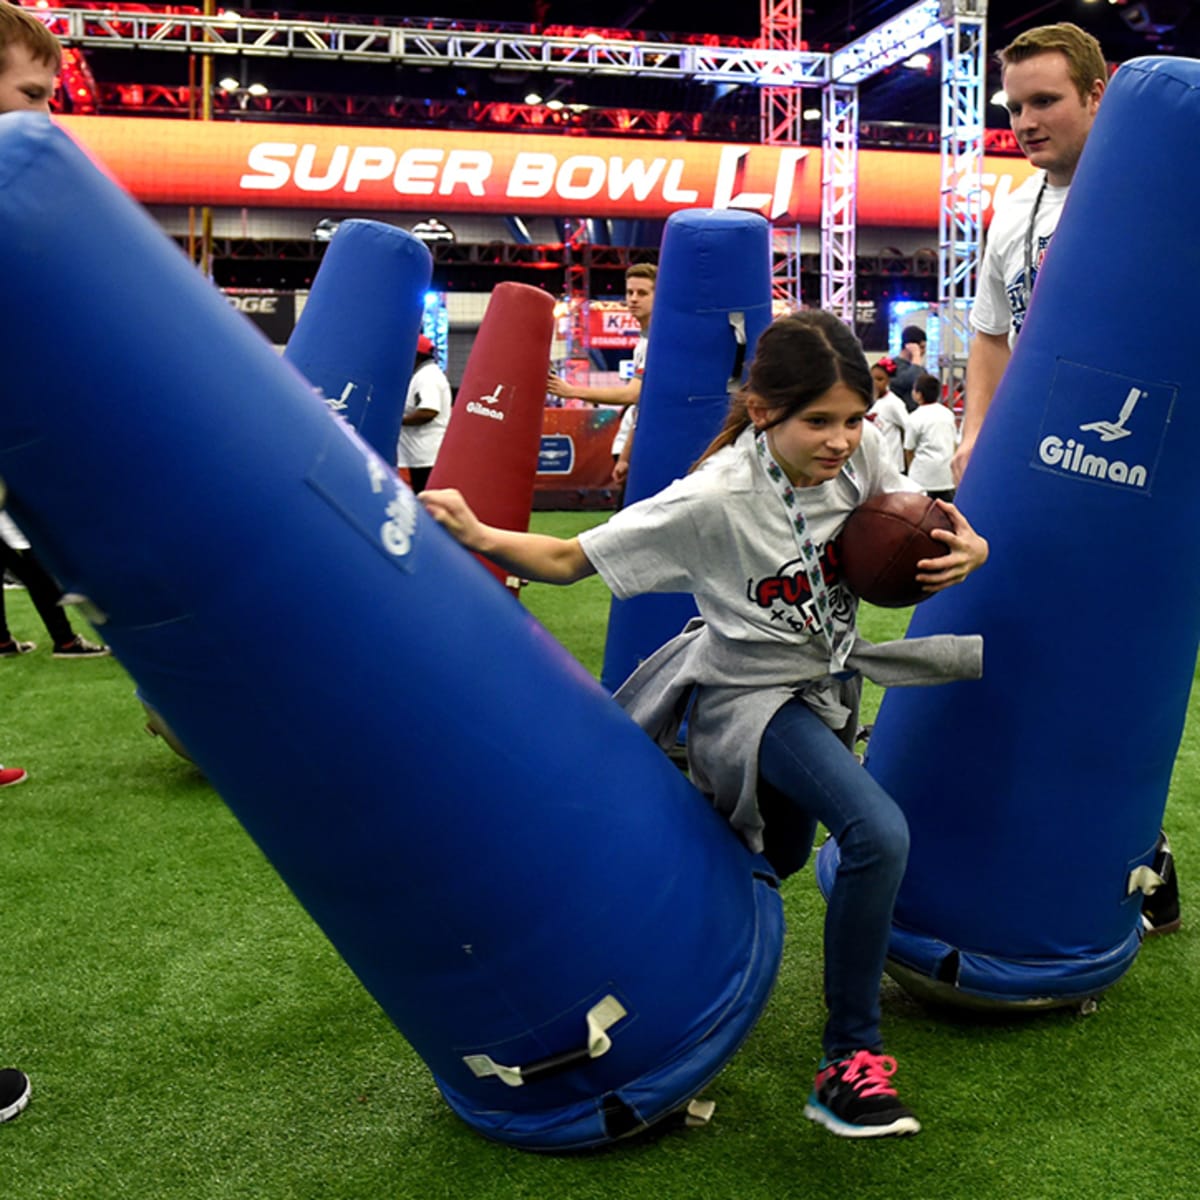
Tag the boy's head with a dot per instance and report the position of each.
(30, 57)
(1084, 57)
(1054, 78)
(639, 291)
(927, 389)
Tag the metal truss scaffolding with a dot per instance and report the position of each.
(577, 282)
(839, 183)
(960, 213)
(433, 44)
(779, 125)
(888, 44)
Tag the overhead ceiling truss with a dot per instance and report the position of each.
(956, 24)
(229, 34)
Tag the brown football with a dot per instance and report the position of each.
(883, 540)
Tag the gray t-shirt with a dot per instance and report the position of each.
(722, 534)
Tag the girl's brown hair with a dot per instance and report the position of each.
(798, 358)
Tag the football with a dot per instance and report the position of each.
(882, 542)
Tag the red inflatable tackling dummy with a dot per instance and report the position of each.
(491, 448)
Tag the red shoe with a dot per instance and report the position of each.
(11, 775)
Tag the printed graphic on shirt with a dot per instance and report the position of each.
(786, 596)
(1100, 427)
(1019, 291)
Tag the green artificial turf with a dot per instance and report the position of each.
(191, 1034)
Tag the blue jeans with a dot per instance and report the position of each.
(811, 776)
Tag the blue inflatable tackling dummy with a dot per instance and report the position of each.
(711, 301)
(356, 339)
(1035, 795)
(568, 935)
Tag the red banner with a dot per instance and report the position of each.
(610, 327)
(225, 163)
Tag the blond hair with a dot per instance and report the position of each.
(20, 28)
(1085, 59)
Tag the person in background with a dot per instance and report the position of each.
(929, 440)
(426, 416)
(910, 364)
(751, 533)
(1054, 79)
(640, 280)
(20, 562)
(30, 57)
(887, 411)
(621, 448)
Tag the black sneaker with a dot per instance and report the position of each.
(14, 1092)
(13, 647)
(854, 1098)
(1160, 909)
(80, 647)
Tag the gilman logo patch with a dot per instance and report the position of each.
(1100, 427)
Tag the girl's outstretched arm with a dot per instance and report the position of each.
(535, 556)
(967, 551)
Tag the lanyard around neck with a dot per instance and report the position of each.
(837, 644)
(1029, 232)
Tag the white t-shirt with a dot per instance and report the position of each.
(419, 444)
(629, 416)
(1002, 294)
(722, 533)
(889, 413)
(931, 436)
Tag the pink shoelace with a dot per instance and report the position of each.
(874, 1070)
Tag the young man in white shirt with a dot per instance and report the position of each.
(1054, 77)
(640, 280)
